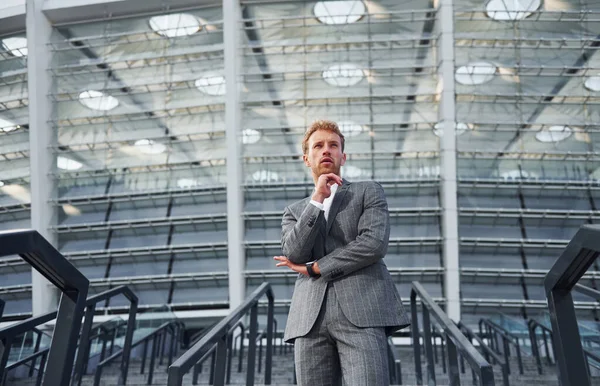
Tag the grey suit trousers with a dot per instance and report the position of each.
(336, 349)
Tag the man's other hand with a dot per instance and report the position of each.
(300, 268)
(323, 186)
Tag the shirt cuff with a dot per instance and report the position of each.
(318, 204)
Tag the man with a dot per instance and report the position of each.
(344, 303)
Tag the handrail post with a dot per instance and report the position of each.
(5, 346)
(144, 355)
(453, 371)
(220, 356)
(571, 370)
(84, 345)
(241, 354)
(40, 373)
(428, 345)
(38, 341)
(519, 358)
(534, 345)
(252, 345)
(230, 346)
(414, 329)
(271, 323)
(153, 353)
(128, 341)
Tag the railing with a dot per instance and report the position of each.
(456, 342)
(42, 256)
(532, 326)
(43, 354)
(1, 308)
(158, 337)
(395, 365)
(578, 256)
(218, 339)
(487, 352)
(508, 339)
(84, 348)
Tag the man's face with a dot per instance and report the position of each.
(324, 153)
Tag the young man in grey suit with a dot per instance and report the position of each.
(345, 302)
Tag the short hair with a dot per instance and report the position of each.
(321, 124)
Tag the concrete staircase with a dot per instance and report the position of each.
(283, 374)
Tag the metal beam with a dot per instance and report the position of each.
(448, 154)
(41, 139)
(235, 191)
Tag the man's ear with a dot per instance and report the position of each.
(343, 159)
(306, 161)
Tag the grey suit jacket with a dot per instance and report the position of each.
(350, 247)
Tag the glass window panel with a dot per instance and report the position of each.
(199, 205)
(200, 234)
(16, 275)
(18, 305)
(136, 210)
(70, 214)
(92, 269)
(138, 238)
(480, 258)
(201, 263)
(120, 267)
(200, 292)
(490, 291)
(82, 241)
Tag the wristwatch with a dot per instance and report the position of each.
(311, 271)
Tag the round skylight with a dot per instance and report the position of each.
(175, 25)
(343, 75)
(475, 73)
(17, 46)
(186, 183)
(554, 134)
(593, 83)
(211, 84)
(511, 9)
(67, 163)
(350, 129)
(97, 100)
(7, 126)
(265, 176)
(339, 12)
(459, 128)
(250, 136)
(148, 146)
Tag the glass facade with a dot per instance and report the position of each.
(15, 194)
(139, 108)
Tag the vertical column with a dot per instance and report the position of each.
(447, 117)
(41, 138)
(235, 191)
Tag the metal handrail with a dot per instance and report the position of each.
(33, 359)
(154, 336)
(219, 336)
(43, 257)
(593, 293)
(84, 349)
(395, 364)
(533, 325)
(455, 341)
(2, 304)
(508, 338)
(577, 257)
(487, 351)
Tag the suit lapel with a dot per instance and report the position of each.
(335, 205)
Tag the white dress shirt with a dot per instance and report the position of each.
(326, 205)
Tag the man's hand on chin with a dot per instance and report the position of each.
(300, 268)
